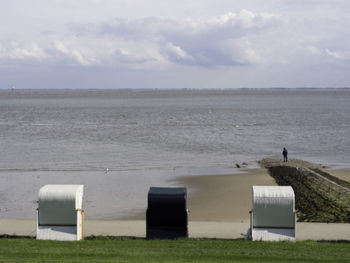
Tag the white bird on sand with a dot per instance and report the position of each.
(106, 170)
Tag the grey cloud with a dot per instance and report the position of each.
(208, 43)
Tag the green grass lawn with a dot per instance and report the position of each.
(184, 250)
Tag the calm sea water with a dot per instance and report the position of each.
(150, 137)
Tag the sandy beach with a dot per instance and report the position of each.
(197, 229)
(223, 197)
(219, 208)
(342, 174)
(228, 198)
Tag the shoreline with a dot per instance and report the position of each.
(217, 197)
(219, 208)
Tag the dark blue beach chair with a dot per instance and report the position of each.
(167, 215)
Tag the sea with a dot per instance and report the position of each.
(118, 143)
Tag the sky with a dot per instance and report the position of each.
(163, 44)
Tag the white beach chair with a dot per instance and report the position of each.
(60, 214)
(273, 215)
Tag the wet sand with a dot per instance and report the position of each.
(342, 174)
(223, 197)
(228, 197)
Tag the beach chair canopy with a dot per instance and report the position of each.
(273, 206)
(58, 204)
(166, 197)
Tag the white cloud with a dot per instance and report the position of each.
(175, 53)
(245, 19)
(75, 55)
(342, 55)
(15, 50)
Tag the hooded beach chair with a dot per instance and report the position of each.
(273, 215)
(60, 214)
(167, 215)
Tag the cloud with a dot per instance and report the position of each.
(176, 54)
(222, 41)
(16, 51)
(284, 38)
(219, 41)
(338, 55)
(123, 56)
(74, 54)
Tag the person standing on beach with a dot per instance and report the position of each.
(285, 155)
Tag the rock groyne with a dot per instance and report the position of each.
(320, 197)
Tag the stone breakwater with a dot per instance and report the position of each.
(320, 197)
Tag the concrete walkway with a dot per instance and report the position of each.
(197, 229)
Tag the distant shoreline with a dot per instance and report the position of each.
(184, 89)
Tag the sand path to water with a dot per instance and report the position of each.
(223, 197)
